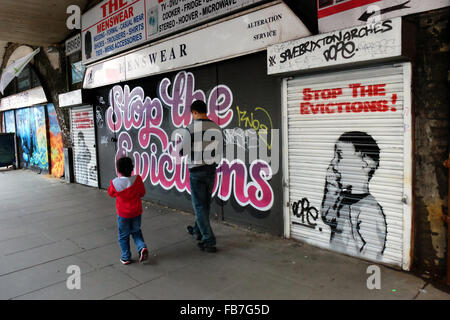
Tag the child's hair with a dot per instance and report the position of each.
(125, 166)
(199, 106)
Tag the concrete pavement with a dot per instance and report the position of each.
(47, 225)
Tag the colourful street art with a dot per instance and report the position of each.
(56, 143)
(132, 113)
(24, 136)
(31, 132)
(40, 155)
(9, 122)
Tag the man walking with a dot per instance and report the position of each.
(203, 143)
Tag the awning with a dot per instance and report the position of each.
(14, 69)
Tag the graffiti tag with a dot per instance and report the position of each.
(303, 210)
(258, 120)
(344, 49)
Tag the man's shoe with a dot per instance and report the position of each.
(143, 255)
(125, 261)
(190, 230)
(210, 249)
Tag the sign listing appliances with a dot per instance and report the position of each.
(368, 42)
(117, 25)
(238, 36)
(339, 14)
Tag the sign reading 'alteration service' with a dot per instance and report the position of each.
(116, 25)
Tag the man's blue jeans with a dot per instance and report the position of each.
(202, 184)
(127, 227)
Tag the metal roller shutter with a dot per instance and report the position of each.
(349, 162)
(84, 152)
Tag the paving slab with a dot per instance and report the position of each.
(101, 257)
(126, 295)
(263, 286)
(38, 277)
(24, 243)
(36, 256)
(96, 238)
(81, 228)
(165, 288)
(96, 285)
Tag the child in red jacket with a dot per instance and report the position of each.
(128, 191)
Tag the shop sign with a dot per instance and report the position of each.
(23, 99)
(117, 25)
(73, 45)
(101, 74)
(71, 98)
(77, 72)
(364, 43)
(242, 35)
(340, 14)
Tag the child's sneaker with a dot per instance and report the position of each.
(125, 261)
(143, 255)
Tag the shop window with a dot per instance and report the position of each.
(24, 80)
(34, 79)
(75, 69)
(10, 89)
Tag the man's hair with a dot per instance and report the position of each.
(125, 166)
(199, 106)
(365, 144)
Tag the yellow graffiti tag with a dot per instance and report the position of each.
(262, 126)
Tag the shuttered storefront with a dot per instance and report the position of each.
(83, 141)
(349, 162)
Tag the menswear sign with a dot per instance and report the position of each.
(368, 42)
(116, 25)
(241, 35)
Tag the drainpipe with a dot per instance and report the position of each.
(447, 165)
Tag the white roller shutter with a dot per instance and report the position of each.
(84, 152)
(349, 162)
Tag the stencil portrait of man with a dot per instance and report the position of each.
(357, 221)
(83, 158)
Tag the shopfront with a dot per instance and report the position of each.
(348, 135)
(142, 97)
(38, 136)
(82, 136)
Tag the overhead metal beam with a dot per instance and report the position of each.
(35, 22)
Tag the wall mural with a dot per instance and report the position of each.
(56, 143)
(9, 121)
(346, 165)
(131, 111)
(39, 131)
(356, 219)
(31, 131)
(24, 136)
(83, 158)
(85, 161)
